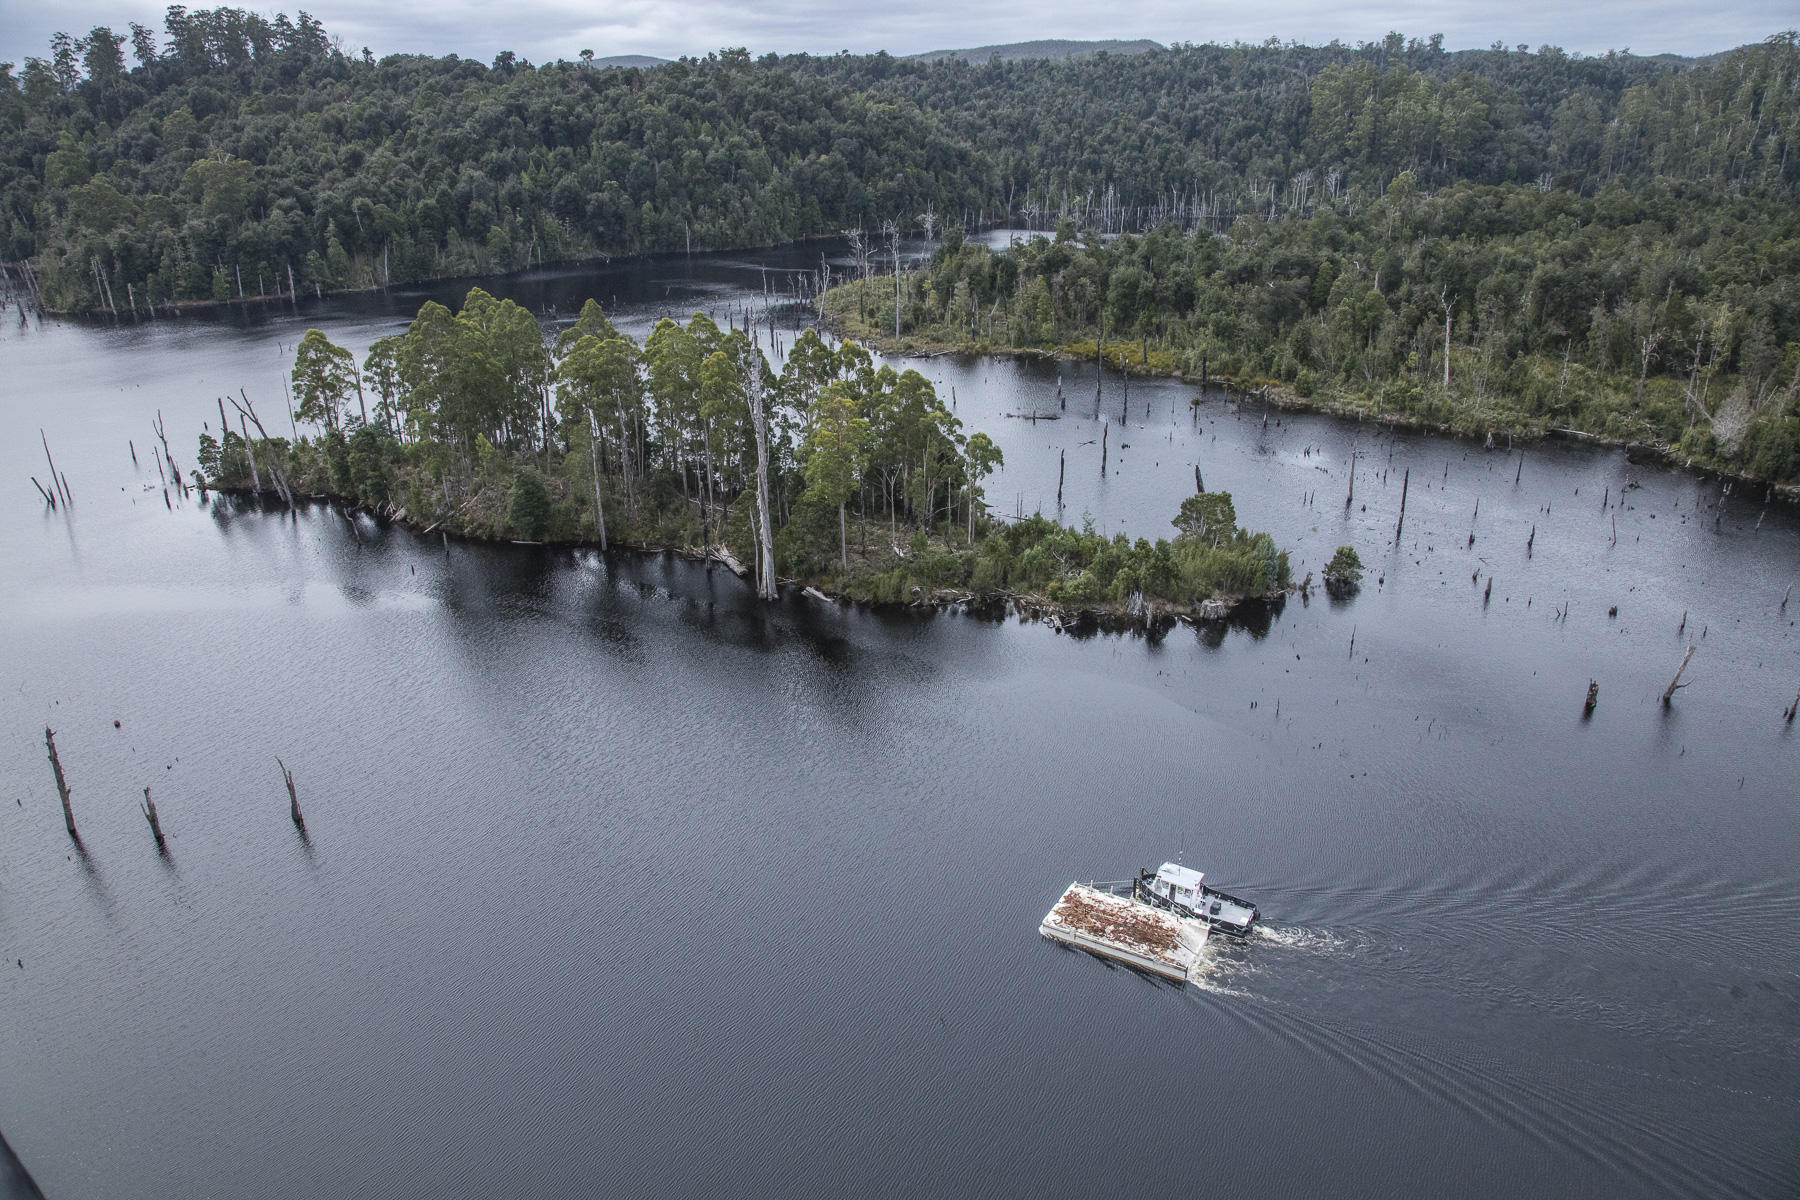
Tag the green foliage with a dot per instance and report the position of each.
(833, 451)
(1637, 316)
(1612, 239)
(1207, 517)
(323, 376)
(1345, 568)
(1080, 567)
(807, 545)
(254, 141)
(337, 462)
(529, 512)
(209, 456)
(663, 433)
(366, 461)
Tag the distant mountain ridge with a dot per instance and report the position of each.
(1041, 49)
(630, 60)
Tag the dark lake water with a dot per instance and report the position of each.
(620, 883)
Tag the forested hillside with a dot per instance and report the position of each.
(232, 155)
(1503, 238)
(1666, 315)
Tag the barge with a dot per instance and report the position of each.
(1092, 917)
(1157, 922)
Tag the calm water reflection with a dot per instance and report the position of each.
(622, 883)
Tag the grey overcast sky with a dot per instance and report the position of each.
(544, 30)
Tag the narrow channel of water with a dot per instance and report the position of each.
(618, 882)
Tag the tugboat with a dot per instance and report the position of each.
(1156, 922)
(1181, 891)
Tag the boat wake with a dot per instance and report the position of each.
(1214, 974)
(1303, 938)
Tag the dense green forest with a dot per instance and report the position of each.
(1502, 238)
(1666, 315)
(236, 155)
(835, 470)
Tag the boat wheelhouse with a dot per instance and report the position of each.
(1182, 891)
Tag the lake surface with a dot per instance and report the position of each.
(621, 883)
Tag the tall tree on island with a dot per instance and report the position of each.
(835, 435)
(983, 457)
(324, 376)
(382, 369)
(598, 387)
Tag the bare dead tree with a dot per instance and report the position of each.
(149, 811)
(1444, 300)
(62, 784)
(892, 230)
(594, 455)
(1649, 342)
(1674, 683)
(765, 551)
(293, 798)
(247, 409)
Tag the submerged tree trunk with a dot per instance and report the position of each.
(594, 454)
(62, 785)
(250, 453)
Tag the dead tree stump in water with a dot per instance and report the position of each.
(62, 785)
(293, 797)
(1676, 682)
(155, 823)
(1593, 698)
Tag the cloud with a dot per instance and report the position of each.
(543, 30)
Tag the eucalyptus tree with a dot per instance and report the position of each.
(724, 420)
(600, 390)
(982, 456)
(591, 321)
(381, 368)
(324, 376)
(757, 380)
(836, 436)
(673, 358)
(516, 341)
(455, 383)
(811, 364)
(889, 428)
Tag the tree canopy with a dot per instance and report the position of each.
(242, 155)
